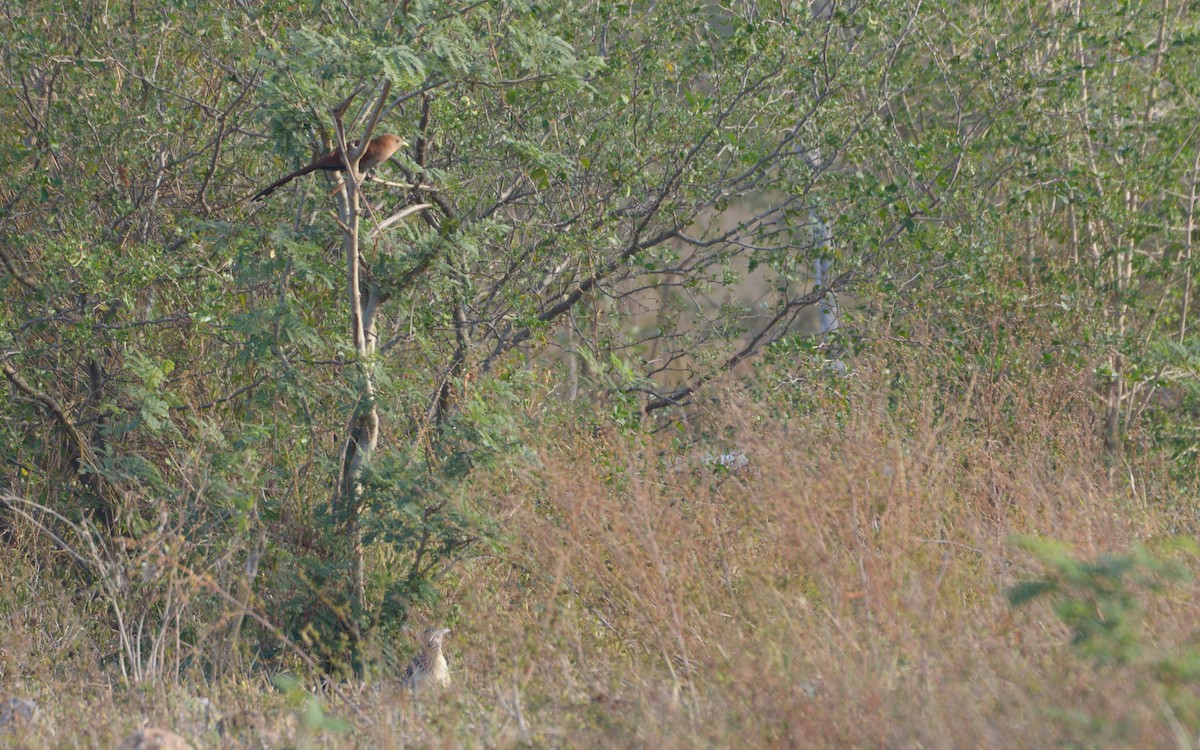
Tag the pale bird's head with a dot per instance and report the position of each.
(432, 638)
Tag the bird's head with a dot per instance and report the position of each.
(388, 144)
(392, 142)
(380, 150)
(433, 637)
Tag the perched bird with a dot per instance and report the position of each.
(378, 151)
(429, 666)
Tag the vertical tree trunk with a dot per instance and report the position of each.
(362, 434)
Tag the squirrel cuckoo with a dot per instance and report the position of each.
(378, 151)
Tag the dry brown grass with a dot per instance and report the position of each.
(845, 590)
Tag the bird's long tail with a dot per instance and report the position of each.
(284, 180)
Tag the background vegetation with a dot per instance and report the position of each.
(790, 374)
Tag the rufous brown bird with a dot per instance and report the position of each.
(378, 151)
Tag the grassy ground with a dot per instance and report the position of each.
(846, 589)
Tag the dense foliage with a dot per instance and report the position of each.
(604, 210)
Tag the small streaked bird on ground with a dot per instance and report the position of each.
(428, 668)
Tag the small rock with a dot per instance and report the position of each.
(733, 460)
(150, 738)
(17, 709)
